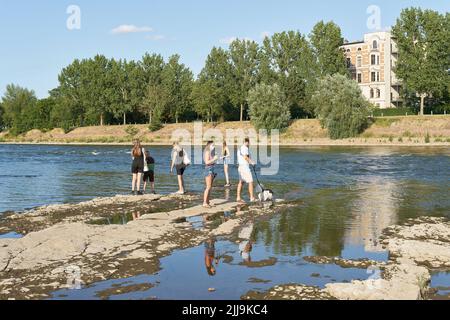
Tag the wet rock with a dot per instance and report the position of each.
(289, 292)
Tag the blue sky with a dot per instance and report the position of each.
(36, 44)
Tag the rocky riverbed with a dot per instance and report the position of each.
(87, 239)
(416, 249)
(62, 239)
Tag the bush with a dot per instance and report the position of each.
(341, 107)
(155, 125)
(268, 107)
(132, 131)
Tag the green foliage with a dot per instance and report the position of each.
(326, 40)
(17, 104)
(155, 125)
(2, 113)
(293, 66)
(268, 107)
(131, 131)
(244, 58)
(341, 107)
(427, 138)
(423, 39)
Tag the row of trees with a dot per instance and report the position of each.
(106, 91)
(271, 83)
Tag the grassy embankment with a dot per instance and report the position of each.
(410, 130)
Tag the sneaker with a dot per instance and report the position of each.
(140, 193)
(133, 193)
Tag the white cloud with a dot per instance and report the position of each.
(229, 40)
(265, 34)
(129, 28)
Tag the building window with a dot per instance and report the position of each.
(359, 62)
(378, 93)
(371, 94)
(375, 45)
(349, 62)
(375, 59)
(359, 78)
(359, 49)
(375, 76)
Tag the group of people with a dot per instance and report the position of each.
(143, 167)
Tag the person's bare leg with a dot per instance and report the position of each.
(250, 191)
(145, 186)
(133, 183)
(208, 182)
(227, 175)
(152, 185)
(180, 184)
(239, 191)
(138, 182)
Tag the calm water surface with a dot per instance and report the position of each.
(346, 197)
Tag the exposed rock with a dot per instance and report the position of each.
(289, 292)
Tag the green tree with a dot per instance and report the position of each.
(126, 97)
(155, 97)
(16, 102)
(292, 59)
(341, 107)
(268, 107)
(155, 101)
(244, 56)
(423, 39)
(212, 89)
(208, 99)
(177, 80)
(326, 40)
(2, 112)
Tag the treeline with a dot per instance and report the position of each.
(289, 66)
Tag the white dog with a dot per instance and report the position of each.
(266, 195)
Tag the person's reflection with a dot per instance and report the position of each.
(136, 215)
(210, 256)
(227, 194)
(246, 246)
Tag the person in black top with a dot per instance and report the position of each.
(149, 172)
(137, 167)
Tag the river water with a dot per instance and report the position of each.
(346, 197)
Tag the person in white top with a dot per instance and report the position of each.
(177, 163)
(245, 174)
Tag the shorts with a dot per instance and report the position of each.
(180, 169)
(137, 167)
(245, 175)
(209, 171)
(227, 161)
(149, 176)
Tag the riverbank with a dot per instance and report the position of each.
(88, 238)
(386, 131)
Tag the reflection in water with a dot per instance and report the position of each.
(373, 210)
(246, 246)
(210, 256)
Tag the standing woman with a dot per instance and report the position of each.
(210, 158)
(177, 163)
(226, 162)
(137, 167)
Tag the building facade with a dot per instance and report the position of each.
(371, 63)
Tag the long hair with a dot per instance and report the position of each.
(224, 149)
(207, 147)
(137, 150)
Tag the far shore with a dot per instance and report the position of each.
(411, 131)
(313, 144)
